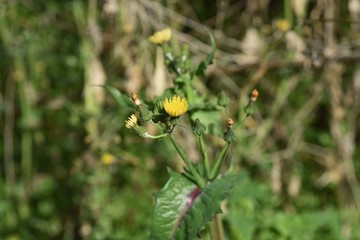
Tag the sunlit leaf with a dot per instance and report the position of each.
(182, 209)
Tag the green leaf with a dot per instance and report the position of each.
(182, 209)
(170, 202)
(200, 71)
(211, 119)
(121, 99)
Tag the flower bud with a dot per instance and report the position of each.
(250, 108)
(198, 128)
(223, 100)
(131, 123)
(229, 135)
(254, 95)
(145, 113)
(230, 123)
(135, 99)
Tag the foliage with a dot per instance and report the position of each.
(297, 155)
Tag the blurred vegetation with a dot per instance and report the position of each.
(69, 169)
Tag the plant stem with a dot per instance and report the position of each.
(147, 135)
(189, 92)
(288, 12)
(200, 181)
(218, 228)
(219, 161)
(204, 154)
(26, 158)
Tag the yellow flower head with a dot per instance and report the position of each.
(283, 25)
(107, 159)
(161, 37)
(176, 106)
(131, 122)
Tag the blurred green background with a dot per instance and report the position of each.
(70, 170)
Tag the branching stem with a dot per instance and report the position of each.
(200, 181)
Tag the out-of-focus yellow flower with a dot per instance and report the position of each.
(161, 37)
(283, 25)
(131, 122)
(176, 106)
(107, 159)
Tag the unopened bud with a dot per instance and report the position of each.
(254, 95)
(223, 100)
(230, 123)
(250, 108)
(145, 113)
(135, 99)
(198, 128)
(229, 135)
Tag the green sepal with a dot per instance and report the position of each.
(250, 108)
(174, 120)
(223, 100)
(198, 128)
(145, 113)
(159, 105)
(229, 135)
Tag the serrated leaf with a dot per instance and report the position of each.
(170, 201)
(182, 210)
(121, 99)
(205, 207)
(200, 70)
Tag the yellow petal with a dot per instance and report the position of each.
(161, 37)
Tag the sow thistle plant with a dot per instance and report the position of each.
(190, 199)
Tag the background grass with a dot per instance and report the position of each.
(299, 153)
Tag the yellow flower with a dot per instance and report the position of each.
(161, 37)
(131, 122)
(107, 159)
(176, 106)
(283, 25)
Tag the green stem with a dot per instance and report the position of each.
(147, 135)
(26, 158)
(288, 12)
(204, 154)
(189, 92)
(200, 181)
(220, 159)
